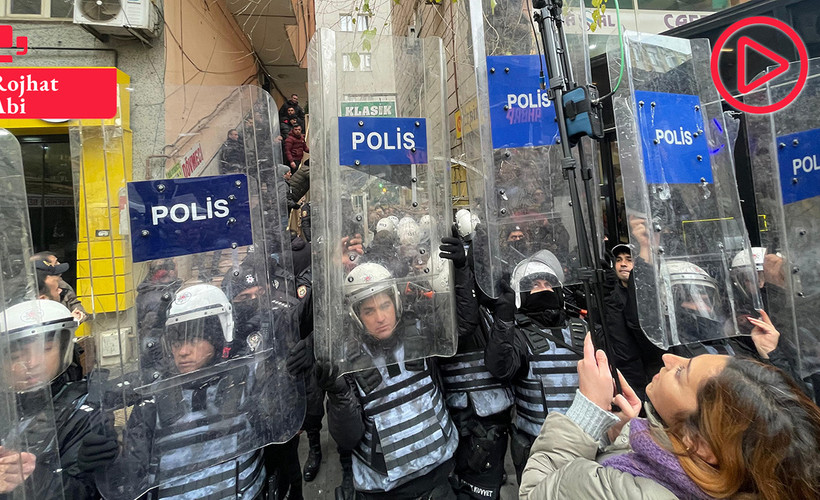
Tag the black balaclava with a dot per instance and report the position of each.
(547, 306)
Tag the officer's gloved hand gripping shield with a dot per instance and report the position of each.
(188, 272)
(680, 193)
(380, 198)
(36, 344)
(509, 141)
(785, 147)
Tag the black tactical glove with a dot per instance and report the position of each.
(300, 359)
(452, 248)
(328, 378)
(97, 451)
(504, 305)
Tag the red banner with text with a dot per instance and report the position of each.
(58, 93)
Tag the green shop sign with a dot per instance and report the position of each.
(369, 108)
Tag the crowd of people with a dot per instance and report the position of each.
(419, 408)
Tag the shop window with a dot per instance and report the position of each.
(50, 193)
(356, 61)
(354, 22)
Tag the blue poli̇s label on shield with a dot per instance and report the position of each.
(521, 114)
(797, 157)
(382, 141)
(675, 149)
(172, 217)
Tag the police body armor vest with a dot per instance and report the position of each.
(552, 376)
(201, 436)
(465, 376)
(408, 431)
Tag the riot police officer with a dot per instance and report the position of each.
(534, 345)
(187, 426)
(480, 404)
(40, 337)
(391, 413)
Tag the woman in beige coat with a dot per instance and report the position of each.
(719, 427)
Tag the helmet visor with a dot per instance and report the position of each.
(33, 361)
(697, 298)
(539, 281)
(182, 337)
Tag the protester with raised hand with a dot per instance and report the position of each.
(694, 444)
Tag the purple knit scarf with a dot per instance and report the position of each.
(648, 459)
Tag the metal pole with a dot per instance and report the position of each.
(560, 78)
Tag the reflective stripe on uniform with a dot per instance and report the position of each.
(196, 454)
(550, 382)
(219, 481)
(466, 373)
(408, 431)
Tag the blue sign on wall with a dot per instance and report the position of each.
(799, 170)
(382, 141)
(171, 217)
(521, 115)
(675, 150)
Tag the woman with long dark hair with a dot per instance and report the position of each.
(718, 427)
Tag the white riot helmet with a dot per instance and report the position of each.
(742, 258)
(201, 311)
(386, 224)
(425, 227)
(409, 233)
(741, 272)
(466, 223)
(692, 285)
(541, 265)
(30, 329)
(368, 280)
(441, 283)
(394, 219)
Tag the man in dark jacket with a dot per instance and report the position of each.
(292, 118)
(295, 148)
(68, 297)
(630, 350)
(286, 125)
(233, 154)
(293, 102)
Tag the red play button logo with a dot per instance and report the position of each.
(744, 44)
(780, 65)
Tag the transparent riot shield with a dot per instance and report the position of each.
(29, 447)
(383, 168)
(509, 141)
(680, 193)
(784, 150)
(189, 277)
